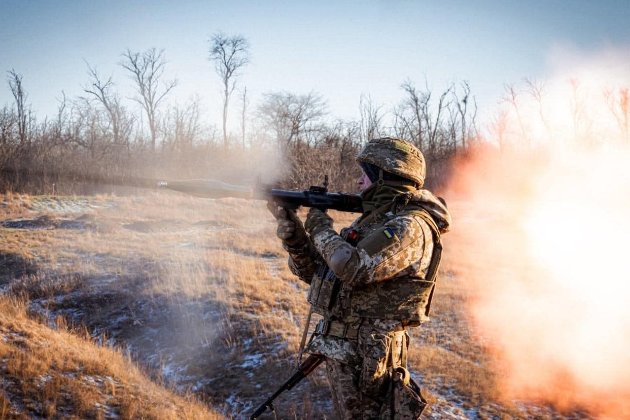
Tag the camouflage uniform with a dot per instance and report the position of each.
(369, 282)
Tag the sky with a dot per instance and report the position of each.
(338, 49)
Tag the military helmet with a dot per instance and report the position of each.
(395, 156)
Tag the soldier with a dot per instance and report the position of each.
(371, 281)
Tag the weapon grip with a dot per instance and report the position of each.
(316, 191)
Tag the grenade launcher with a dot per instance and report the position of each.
(315, 196)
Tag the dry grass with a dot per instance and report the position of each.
(198, 292)
(14, 204)
(57, 374)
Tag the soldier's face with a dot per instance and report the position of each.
(363, 182)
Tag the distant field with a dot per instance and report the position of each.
(197, 294)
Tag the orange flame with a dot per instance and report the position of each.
(542, 229)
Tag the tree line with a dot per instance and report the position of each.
(97, 136)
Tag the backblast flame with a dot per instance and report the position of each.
(543, 237)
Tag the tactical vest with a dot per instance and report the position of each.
(405, 299)
(325, 291)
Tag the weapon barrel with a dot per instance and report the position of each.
(208, 188)
(313, 197)
(319, 199)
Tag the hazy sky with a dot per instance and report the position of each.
(339, 49)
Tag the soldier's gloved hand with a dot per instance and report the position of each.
(317, 221)
(290, 227)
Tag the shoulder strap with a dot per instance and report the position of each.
(374, 214)
(436, 256)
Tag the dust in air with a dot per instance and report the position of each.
(542, 237)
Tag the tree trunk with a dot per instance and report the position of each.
(225, 112)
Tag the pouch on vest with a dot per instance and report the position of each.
(404, 399)
(375, 349)
(325, 287)
(323, 291)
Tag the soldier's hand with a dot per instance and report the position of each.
(316, 221)
(290, 227)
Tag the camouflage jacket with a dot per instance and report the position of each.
(380, 260)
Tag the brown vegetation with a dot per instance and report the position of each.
(198, 293)
(57, 373)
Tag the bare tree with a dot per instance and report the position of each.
(229, 54)
(417, 104)
(7, 121)
(147, 68)
(371, 118)
(536, 90)
(618, 102)
(245, 103)
(57, 132)
(17, 89)
(466, 121)
(292, 116)
(582, 122)
(418, 119)
(498, 128)
(512, 99)
(102, 91)
(182, 126)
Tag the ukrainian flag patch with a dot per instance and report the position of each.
(389, 232)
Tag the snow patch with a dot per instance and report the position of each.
(252, 360)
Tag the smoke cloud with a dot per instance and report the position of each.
(542, 229)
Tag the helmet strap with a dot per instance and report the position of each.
(380, 180)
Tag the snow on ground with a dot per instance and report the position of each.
(49, 204)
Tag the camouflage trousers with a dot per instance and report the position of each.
(359, 390)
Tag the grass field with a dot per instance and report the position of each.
(150, 305)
